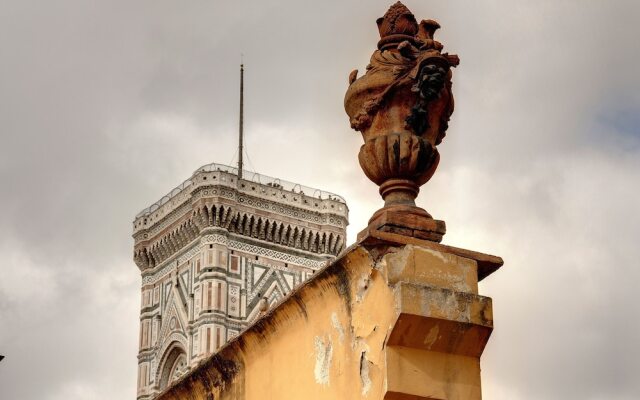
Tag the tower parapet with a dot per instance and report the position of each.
(286, 215)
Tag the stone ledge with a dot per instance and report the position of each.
(442, 320)
(487, 264)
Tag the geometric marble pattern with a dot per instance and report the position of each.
(215, 253)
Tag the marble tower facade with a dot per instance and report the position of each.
(215, 253)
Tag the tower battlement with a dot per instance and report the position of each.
(224, 175)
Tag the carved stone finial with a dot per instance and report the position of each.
(398, 20)
(402, 107)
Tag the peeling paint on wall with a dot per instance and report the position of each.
(363, 285)
(324, 354)
(365, 380)
(336, 324)
(361, 330)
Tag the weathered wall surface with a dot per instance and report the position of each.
(400, 322)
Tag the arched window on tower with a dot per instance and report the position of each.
(174, 365)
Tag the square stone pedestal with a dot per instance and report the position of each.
(442, 324)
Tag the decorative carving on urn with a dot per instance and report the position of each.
(402, 107)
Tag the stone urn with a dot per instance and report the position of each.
(402, 107)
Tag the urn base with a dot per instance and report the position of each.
(405, 220)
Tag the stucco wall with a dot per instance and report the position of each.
(381, 322)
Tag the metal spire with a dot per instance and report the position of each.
(241, 133)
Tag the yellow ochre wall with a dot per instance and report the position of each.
(402, 322)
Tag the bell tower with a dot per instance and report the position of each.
(218, 251)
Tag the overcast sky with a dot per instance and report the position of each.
(107, 105)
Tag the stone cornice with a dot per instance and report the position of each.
(225, 184)
(148, 253)
(213, 194)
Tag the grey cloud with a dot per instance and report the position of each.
(105, 106)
